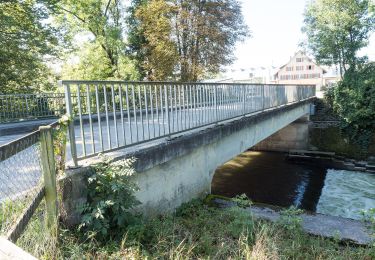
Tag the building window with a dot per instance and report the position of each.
(289, 68)
(299, 67)
(310, 67)
(299, 59)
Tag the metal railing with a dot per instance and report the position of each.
(17, 107)
(117, 114)
(27, 176)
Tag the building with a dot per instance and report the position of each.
(253, 75)
(302, 70)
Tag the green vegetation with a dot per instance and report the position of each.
(199, 231)
(26, 40)
(46, 40)
(110, 196)
(337, 30)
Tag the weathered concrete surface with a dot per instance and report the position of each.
(9, 251)
(295, 136)
(345, 229)
(181, 169)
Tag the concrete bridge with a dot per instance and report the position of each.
(178, 132)
(173, 171)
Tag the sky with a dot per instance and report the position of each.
(275, 26)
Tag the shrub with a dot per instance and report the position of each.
(290, 219)
(110, 197)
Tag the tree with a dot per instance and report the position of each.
(26, 38)
(160, 50)
(94, 65)
(206, 32)
(203, 32)
(104, 20)
(337, 29)
(354, 101)
(135, 37)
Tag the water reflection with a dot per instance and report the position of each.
(267, 177)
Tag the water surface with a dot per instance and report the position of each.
(267, 177)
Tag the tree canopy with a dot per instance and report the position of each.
(337, 29)
(203, 33)
(26, 40)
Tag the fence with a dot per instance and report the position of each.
(18, 107)
(27, 176)
(116, 114)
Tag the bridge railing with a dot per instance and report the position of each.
(17, 107)
(117, 114)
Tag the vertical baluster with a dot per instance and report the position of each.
(146, 105)
(128, 113)
(177, 128)
(167, 110)
(162, 108)
(122, 112)
(114, 113)
(152, 110)
(135, 113)
(180, 108)
(80, 120)
(90, 117)
(107, 117)
(141, 112)
(99, 118)
(157, 109)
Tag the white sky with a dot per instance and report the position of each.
(276, 33)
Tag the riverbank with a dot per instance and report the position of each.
(198, 231)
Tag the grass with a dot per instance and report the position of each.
(197, 231)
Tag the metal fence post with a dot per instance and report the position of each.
(215, 103)
(49, 174)
(263, 88)
(167, 110)
(243, 101)
(69, 111)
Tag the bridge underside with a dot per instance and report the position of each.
(181, 169)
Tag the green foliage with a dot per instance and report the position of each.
(88, 67)
(290, 219)
(59, 143)
(102, 25)
(354, 101)
(205, 33)
(200, 232)
(242, 201)
(369, 216)
(136, 38)
(191, 38)
(110, 197)
(26, 38)
(337, 30)
(156, 25)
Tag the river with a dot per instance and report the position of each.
(267, 177)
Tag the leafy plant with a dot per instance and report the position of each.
(110, 197)
(59, 143)
(242, 201)
(369, 217)
(290, 219)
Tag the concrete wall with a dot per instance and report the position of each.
(181, 169)
(292, 137)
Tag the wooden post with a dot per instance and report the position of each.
(49, 174)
